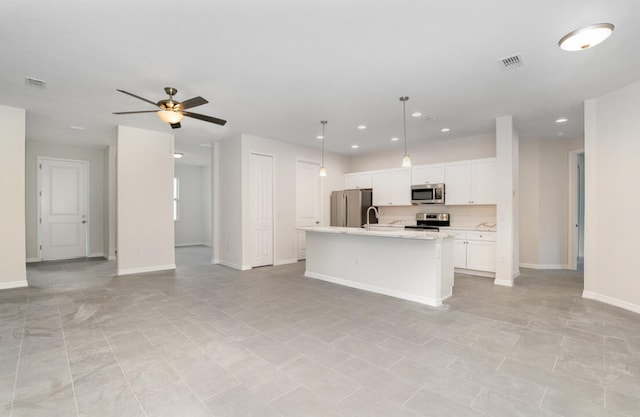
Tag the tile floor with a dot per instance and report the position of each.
(209, 341)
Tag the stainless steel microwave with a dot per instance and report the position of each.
(427, 194)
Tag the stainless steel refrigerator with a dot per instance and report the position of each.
(349, 208)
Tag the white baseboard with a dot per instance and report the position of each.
(31, 260)
(610, 300)
(476, 273)
(13, 284)
(98, 255)
(129, 271)
(543, 266)
(111, 257)
(503, 282)
(215, 261)
(433, 302)
(285, 262)
(181, 245)
(234, 265)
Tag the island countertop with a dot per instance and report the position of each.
(390, 233)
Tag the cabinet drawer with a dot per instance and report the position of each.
(485, 236)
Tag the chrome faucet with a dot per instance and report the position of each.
(375, 212)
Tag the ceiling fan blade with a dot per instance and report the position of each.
(193, 102)
(175, 125)
(132, 112)
(138, 97)
(205, 118)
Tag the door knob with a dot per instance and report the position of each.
(84, 221)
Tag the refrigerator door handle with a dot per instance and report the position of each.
(346, 211)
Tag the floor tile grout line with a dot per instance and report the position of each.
(542, 398)
(106, 339)
(22, 331)
(66, 351)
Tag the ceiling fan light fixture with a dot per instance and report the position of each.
(170, 116)
(586, 37)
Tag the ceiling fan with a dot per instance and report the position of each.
(172, 111)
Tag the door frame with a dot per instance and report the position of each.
(39, 161)
(573, 214)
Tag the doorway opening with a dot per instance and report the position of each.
(576, 210)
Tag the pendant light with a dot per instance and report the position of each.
(323, 171)
(406, 161)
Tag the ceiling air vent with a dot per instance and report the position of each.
(511, 62)
(35, 83)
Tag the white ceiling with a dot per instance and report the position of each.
(276, 68)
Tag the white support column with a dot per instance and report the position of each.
(507, 247)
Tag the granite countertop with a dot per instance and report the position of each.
(393, 232)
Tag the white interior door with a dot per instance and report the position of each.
(261, 191)
(64, 206)
(307, 202)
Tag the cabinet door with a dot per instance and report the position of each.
(459, 253)
(457, 183)
(350, 181)
(484, 181)
(481, 256)
(364, 180)
(381, 181)
(401, 187)
(418, 175)
(434, 174)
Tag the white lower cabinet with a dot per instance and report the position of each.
(475, 251)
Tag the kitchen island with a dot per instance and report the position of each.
(412, 265)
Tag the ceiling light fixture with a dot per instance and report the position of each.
(170, 116)
(416, 114)
(355, 146)
(362, 127)
(445, 130)
(395, 139)
(586, 37)
(178, 155)
(319, 137)
(323, 171)
(562, 120)
(406, 161)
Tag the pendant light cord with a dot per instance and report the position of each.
(324, 122)
(404, 123)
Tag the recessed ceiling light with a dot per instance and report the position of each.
(205, 145)
(395, 139)
(362, 127)
(77, 127)
(319, 137)
(561, 120)
(178, 155)
(354, 146)
(445, 130)
(585, 38)
(416, 114)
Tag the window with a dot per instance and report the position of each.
(176, 195)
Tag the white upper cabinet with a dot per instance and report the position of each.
(427, 174)
(457, 183)
(392, 187)
(358, 180)
(470, 182)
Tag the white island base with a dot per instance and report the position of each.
(415, 266)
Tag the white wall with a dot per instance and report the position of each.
(111, 217)
(449, 150)
(207, 207)
(285, 157)
(12, 204)
(227, 165)
(612, 224)
(145, 201)
(190, 228)
(97, 192)
(544, 194)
